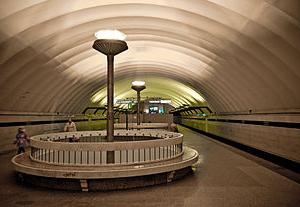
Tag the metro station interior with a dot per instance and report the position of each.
(198, 104)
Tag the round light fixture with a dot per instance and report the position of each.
(138, 83)
(110, 35)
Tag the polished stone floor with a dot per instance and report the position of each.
(225, 177)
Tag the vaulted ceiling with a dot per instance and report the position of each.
(236, 54)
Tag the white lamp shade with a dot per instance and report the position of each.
(138, 83)
(110, 35)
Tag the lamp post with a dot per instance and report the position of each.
(138, 86)
(110, 43)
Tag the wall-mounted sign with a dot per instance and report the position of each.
(163, 101)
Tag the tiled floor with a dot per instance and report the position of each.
(224, 178)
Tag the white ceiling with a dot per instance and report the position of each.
(237, 54)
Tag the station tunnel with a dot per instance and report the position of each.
(229, 69)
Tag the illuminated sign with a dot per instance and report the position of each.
(166, 101)
(154, 101)
(125, 101)
(161, 101)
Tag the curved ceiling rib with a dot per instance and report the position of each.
(232, 52)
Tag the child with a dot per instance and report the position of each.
(21, 139)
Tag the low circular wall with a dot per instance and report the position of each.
(140, 158)
(91, 148)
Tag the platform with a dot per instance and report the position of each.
(225, 178)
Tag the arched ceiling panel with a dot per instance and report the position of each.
(232, 52)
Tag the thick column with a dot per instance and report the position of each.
(110, 106)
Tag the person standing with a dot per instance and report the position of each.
(70, 126)
(21, 140)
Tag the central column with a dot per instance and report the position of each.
(110, 106)
(110, 43)
(110, 98)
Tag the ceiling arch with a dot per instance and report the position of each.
(239, 55)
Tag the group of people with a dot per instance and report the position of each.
(22, 139)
